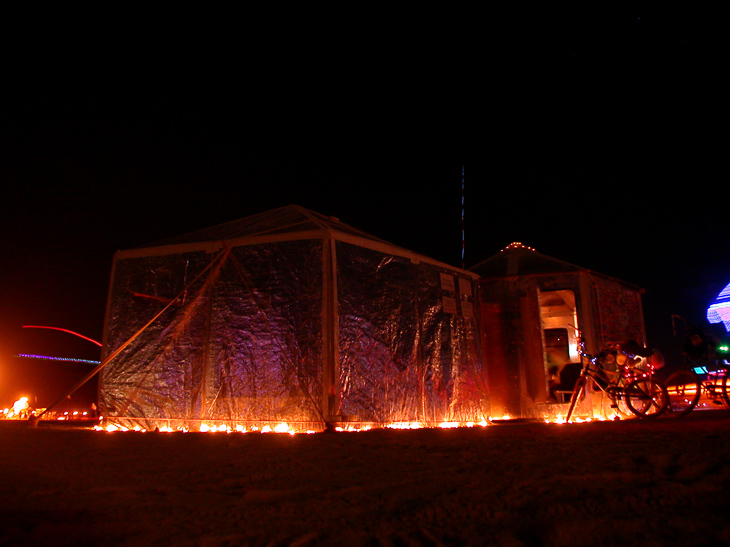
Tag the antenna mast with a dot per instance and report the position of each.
(463, 263)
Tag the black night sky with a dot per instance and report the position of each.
(600, 141)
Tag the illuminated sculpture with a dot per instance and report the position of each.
(719, 312)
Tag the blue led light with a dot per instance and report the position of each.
(27, 356)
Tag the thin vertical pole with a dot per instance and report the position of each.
(330, 327)
(463, 231)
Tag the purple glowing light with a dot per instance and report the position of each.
(29, 356)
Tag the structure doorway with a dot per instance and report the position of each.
(559, 321)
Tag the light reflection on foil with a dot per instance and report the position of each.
(245, 344)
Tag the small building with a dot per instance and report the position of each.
(289, 316)
(533, 309)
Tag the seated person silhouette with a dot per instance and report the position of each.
(569, 375)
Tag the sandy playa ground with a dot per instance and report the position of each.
(631, 482)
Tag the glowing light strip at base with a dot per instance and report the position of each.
(27, 356)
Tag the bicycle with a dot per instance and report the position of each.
(643, 395)
(687, 385)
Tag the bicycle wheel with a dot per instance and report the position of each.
(575, 397)
(684, 390)
(619, 402)
(646, 397)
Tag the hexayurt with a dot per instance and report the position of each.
(532, 308)
(288, 316)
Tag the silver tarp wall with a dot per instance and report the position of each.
(405, 354)
(297, 331)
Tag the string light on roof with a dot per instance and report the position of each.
(517, 245)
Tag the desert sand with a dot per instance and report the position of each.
(633, 482)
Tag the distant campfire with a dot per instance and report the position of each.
(21, 410)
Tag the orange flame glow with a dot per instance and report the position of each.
(18, 411)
